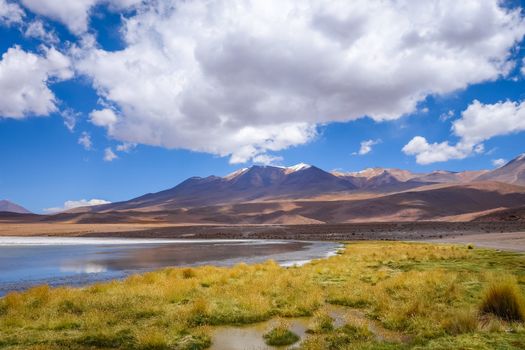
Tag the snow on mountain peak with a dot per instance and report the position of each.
(236, 173)
(298, 167)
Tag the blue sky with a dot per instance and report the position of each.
(181, 102)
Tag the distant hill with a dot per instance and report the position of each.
(10, 207)
(513, 172)
(513, 214)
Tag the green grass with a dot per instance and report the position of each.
(430, 296)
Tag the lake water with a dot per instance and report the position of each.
(30, 261)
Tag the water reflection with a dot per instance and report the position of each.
(25, 262)
(80, 268)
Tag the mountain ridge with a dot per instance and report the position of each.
(266, 183)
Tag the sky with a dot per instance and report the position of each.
(106, 100)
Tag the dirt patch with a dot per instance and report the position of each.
(510, 241)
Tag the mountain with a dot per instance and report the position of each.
(255, 183)
(7, 206)
(304, 194)
(513, 172)
(382, 179)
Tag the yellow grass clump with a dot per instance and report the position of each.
(505, 300)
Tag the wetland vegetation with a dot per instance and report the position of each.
(388, 295)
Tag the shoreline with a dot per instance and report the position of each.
(497, 235)
(107, 259)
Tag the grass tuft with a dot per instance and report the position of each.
(194, 342)
(280, 336)
(122, 339)
(504, 300)
(460, 322)
(188, 273)
(321, 323)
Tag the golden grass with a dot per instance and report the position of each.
(423, 292)
(505, 300)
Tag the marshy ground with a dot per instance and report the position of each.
(374, 295)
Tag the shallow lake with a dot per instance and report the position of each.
(30, 261)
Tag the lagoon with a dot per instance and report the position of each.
(76, 261)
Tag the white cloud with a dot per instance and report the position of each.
(109, 155)
(24, 80)
(76, 204)
(243, 77)
(478, 123)
(498, 163)
(126, 147)
(36, 29)
(446, 116)
(10, 13)
(70, 118)
(436, 152)
(85, 141)
(366, 147)
(75, 13)
(104, 117)
(267, 159)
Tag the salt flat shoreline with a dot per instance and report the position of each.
(498, 235)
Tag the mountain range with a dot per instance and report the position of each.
(307, 194)
(304, 194)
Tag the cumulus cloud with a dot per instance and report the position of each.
(242, 78)
(104, 117)
(267, 159)
(85, 141)
(24, 80)
(36, 29)
(76, 204)
(478, 123)
(427, 153)
(10, 13)
(109, 155)
(366, 147)
(74, 14)
(498, 163)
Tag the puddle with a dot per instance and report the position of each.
(342, 316)
(250, 337)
